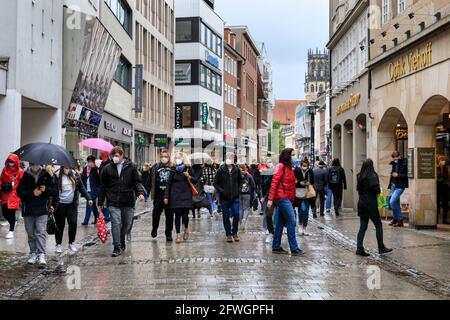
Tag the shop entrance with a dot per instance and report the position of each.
(430, 141)
(347, 161)
(337, 141)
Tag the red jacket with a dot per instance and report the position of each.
(11, 199)
(283, 183)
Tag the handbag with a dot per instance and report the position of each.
(52, 228)
(311, 192)
(193, 189)
(301, 193)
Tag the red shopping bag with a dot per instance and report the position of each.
(102, 232)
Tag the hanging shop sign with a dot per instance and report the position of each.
(161, 141)
(426, 163)
(401, 134)
(205, 113)
(411, 62)
(353, 102)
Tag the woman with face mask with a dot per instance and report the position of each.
(266, 182)
(247, 194)
(178, 194)
(304, 177)
(443, 186)
(69, 186)
(9, 181)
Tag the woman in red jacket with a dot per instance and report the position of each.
(9, 181)
(282, 194)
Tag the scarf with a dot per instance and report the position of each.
(180, 168)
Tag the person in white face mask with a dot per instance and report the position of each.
(159, 178)
(120, 182)
(304, 179)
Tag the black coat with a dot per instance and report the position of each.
(266, 182)
(178, 189)
(256, 174)
(300, 177)
(146, 180)
(79, 188)
(120, 191)
(342, 178)
(228, 184)
(94, 178)
(368, 190)
(36, 206)
(401, 168)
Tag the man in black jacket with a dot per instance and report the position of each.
(337, 183)
(397, 184)
(120, 182)
(227, 182)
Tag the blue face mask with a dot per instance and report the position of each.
(180, 168)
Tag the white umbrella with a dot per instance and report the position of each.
(200, 156)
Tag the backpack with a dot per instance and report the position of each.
(245, 186)
(335, 177)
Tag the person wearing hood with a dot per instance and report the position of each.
(178, 194)
(227, 183)
(36, 190)
(160, 175)
(120, 182)
(9, 182)
(69, 186)
(397, 185)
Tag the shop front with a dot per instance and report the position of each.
(117, 132)
(350, 137)
(410, 105)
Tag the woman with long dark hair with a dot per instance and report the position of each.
(304, 178)
(282, 194)
(368, 190)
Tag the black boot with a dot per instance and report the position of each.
(384, 250)
(361, 252)
(336, 211)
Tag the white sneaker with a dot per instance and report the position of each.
(58, 248)
(301, 231)
(10, 235)
(33, 258)
(306, 234)
(73, 248)
(42, 260)
(269, 238)
(4, 223)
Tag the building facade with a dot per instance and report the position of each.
(349, 89)
(247, 143)
(154, 47)
(409, 103)
(199, 104)
(30, 73)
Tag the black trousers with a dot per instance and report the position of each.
(10, 216)
(269, 220)
(69, 212)
(337, 195)
(321, 195)
(181, 214)
(158, 208)
(364, 222)
(442, 200)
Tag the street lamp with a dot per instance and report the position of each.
(312, 109)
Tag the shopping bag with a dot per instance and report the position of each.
(381, 201)
(102, 232)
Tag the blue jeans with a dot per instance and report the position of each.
(122, 220)
(230, 209)
(213, 204)
(286, 219)
(90, 208)
(328, 201)
(395, 202)
(303, 213)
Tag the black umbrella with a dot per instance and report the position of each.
(46, 154)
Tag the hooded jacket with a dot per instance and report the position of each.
(11, 176)
(283, 183)
(36, 206)
(120, 191)
(228, 183)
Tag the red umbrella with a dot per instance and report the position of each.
(97, 144)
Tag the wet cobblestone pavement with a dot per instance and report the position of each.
(206, 267)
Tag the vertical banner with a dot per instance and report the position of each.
(139, 84)
(100, 58)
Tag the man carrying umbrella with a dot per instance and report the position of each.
(120, 181)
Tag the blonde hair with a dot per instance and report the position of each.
(183, 156)
(147, 166)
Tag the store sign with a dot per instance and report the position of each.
(161, 141)
(212, 60)
(426, 163)
(353, 102)
(127, 132)
(139, 87)
(178, 117)
(411, 62)
(411, 163)
(401, 134)
(110, 126)
(205, 113)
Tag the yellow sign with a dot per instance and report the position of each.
(350, 103)
(415, 60)
(401, 134)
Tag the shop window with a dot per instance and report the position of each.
(184, 31)
(123, 74)
(183, 73)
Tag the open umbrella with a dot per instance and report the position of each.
(97, 144)
(200, 156)
(46, 154)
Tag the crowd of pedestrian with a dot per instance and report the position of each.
(283, 195)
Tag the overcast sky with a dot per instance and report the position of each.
(288, 28)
